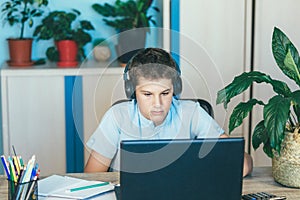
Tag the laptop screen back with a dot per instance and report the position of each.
(182, 169)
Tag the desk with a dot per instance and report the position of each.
(260, 181)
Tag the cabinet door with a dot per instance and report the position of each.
(100, 91)
(213, 49)
(34, 120)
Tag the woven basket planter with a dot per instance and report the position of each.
(286, 167)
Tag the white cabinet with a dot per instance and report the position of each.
(33, 119)
(34, 115)
(100, 91)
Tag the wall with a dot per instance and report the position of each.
(222, 28)
(213, 49)
(87, 13)
(222, 31)
(269, 13)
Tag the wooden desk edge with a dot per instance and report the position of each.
(260, 180)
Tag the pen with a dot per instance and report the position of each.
(13, 175)
(31, 188)
(14, 150)
(28, 171)
(16, 164)
(21, 162)
(88, 187)
(5, 166)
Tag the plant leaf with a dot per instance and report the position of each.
(243, 82)
(276, 114)
(286, 55)
(239, 85)
(296, 104)
(240, 112)
(260, 135)
(281, 88)
(268, 149)
(291, 67)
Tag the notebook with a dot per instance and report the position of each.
(57, 186)
(207, 169)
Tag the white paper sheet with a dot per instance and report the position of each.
(59, 186)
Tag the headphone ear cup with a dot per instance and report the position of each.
(177, 86)
(129, 89)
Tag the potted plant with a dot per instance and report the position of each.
(21, 13)
(131, 20)
(279, 130)
(69, 34)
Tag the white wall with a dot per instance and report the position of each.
(216, 42)
(213, 38)
(284, 15)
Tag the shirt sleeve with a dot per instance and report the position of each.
(105, 139)
(203, 125)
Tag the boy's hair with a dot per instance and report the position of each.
(151, 64)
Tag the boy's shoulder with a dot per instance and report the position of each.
(122, 104)
(185, 102)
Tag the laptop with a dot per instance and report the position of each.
(207, 169)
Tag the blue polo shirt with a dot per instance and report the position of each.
(185, 120)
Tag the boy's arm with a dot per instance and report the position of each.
(97, 163)
(248, 163)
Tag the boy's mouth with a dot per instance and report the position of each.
(157, 112)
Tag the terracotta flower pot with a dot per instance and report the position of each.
(67, 50)
(20, 52)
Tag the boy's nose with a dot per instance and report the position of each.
(157, 101)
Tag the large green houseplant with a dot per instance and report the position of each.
(61, 26)
(281, 114)
(131, 20)
(21, 13)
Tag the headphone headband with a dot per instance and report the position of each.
(130, 87)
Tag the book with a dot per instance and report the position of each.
(73, 188)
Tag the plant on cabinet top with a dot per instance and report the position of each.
(22, 12)
(126, 15)
(62, 25)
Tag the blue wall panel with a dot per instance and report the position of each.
(74, 124)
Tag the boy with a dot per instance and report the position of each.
(152, 80)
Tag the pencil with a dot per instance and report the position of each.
(88, 187)
(4, 162)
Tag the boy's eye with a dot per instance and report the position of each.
(165, 93)
(147, 94)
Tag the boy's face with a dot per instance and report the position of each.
(154, 98)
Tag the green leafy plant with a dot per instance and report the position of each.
(126, 15)
(100, 41)
(282, 112)
(62, 25)
(22, 12)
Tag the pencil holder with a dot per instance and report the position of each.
(27, 191)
